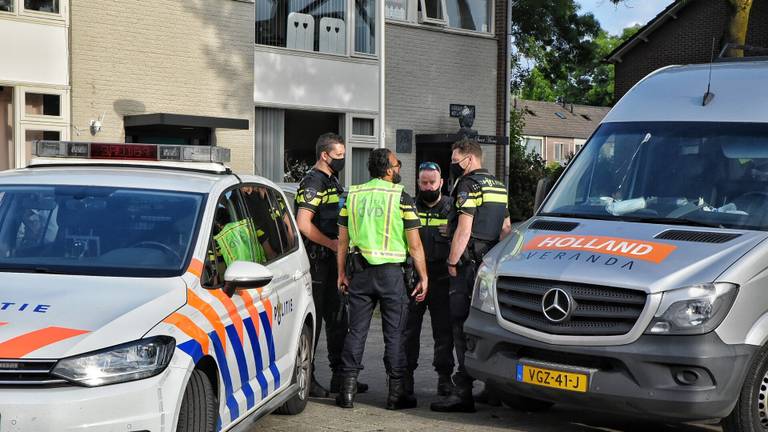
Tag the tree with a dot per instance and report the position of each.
(738, 23)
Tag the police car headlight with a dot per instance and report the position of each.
(483, 296)
(697, 309)
(127, 362)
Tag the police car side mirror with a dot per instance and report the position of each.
(245, 275)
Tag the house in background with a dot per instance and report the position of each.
(683, 33)
(554, 131)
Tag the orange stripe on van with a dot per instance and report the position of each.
(252, 311)
(196, 267)
(210, 313)
(189, 328)
(231, 307)
(22, 345)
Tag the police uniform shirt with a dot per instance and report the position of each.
(436, 246)
(407, 212)
(482, 196)
(319, 193)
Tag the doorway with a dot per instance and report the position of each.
(301, 131)
(438, 152)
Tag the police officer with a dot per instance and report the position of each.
(434, 209)
(317, 201)
(482, 221)
(379, 227)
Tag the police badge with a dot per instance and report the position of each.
(461, 198)
(309, 194)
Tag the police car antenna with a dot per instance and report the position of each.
(708, 96)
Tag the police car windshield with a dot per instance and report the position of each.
(682, 173)
(90, 230)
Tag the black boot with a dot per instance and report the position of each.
(459, 401)
(336, 379)
(346, 396)
(444, 385)
(316, 390)
(398, 399)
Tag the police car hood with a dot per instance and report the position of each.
(621, 254)
(46, 316)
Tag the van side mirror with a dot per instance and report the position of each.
(542, 189)
(245, 275)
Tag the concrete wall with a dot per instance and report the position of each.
(426, 71)
(175, 56)
(38, 53)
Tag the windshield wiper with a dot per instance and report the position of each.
(31, 269)
(674, 221)
(581, 216)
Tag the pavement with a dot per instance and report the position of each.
(369, 413)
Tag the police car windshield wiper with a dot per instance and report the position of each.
(673, 221)
(581, 216)
(30, 269)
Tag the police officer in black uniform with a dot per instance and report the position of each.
(481, 221)
(434, 210)
(318, 203)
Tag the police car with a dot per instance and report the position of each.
(148, 288)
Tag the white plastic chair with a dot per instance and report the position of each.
(333, 37)
(300, 31)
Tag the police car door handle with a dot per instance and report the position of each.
(298, 275)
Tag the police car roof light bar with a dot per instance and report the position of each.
(130, 151)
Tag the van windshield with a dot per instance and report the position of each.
(93, 230)
(685, 173)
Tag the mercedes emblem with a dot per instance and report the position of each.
(557, 305)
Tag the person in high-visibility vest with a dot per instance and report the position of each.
(378, 228)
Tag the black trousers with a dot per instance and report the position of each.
(437, 302)
(327, 304)
(460, 294)
(381, 284)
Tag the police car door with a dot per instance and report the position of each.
(277, 236)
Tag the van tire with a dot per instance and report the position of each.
(751, 412)
(198, 407)
(302, 374)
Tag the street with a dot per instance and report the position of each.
(369, 413)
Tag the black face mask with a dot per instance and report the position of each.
(396, 179)
(337, 165)
(429, 196)
(456, 170)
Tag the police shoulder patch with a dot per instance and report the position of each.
(310, 194)
(461, 198)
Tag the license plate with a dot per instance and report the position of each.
(570, 381)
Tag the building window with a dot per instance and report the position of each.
(533, 145)
(559, 149)
(470, 14)
(311, 25)
(396, 9)
(6, 5)
(6, 128)
(50, 6)
(359, 165)
(365, 26)
(432, 11)
(40, 104)
(363, 127)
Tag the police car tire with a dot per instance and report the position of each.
(746, 415)
(198, 410)
(303, 365)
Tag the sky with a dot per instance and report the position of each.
(615, 18)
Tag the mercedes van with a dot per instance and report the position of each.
(640, 285)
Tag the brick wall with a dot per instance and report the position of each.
(175, 56)
(426, 71)
(686, 40)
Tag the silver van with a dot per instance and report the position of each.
(640, 286)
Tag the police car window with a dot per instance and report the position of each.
(96, 230)
(259, 201)
(285, 228)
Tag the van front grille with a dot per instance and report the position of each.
(28, 373)
(595, 310)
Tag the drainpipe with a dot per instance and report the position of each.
(507, 113)
(382, 63)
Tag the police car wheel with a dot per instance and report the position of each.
(302, 375)
(198, 408)
(751, 411)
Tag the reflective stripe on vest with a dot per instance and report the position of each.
(375, 223)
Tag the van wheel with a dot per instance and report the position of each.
(302, 374)
(751, 411)
(198, 408)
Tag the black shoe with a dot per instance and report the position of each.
(346, 396)
(316, 390)
(454, 403)
(336, 379)
(397, 398)
(444, 385)
(487, 397)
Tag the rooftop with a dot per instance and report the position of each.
(552, 119)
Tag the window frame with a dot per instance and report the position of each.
(367, 139)
(63, 107)
(353, 29)
(60, 15)
(534, 137)
(20, 147)
(271, 191)
(424, 19)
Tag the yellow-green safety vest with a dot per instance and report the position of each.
(375, 223)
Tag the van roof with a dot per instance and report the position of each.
(675, 93)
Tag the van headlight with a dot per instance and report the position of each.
(127, 362)
(697, 309)
(483, 296)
